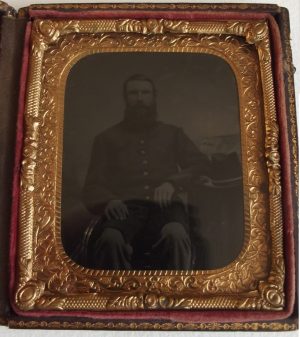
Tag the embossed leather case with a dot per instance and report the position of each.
(12, 88)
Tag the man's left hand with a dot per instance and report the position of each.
(163, 194)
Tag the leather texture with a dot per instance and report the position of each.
(12, 31)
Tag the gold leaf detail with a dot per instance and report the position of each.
(151, 26)
(55, 50)
(153, 301)
(48, 303)
(29, 294)
(130, 302)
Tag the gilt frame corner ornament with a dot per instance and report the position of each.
(47, 279)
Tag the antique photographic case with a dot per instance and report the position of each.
(217, 157)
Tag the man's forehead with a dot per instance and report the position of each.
(139, 84)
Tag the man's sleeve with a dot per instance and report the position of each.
(97, 192)
(192, 163)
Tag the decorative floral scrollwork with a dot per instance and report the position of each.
(151, 26)
(61, 284)
(49, 302)
(255, 33)
(52, 30)
(129, 302)
(272, 294)
(153, 301)
(29, 293)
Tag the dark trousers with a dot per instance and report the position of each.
(166, 228)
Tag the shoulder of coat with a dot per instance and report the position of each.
(169, 127)
(109, 132)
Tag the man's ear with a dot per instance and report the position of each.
(154, 92)
(124, 97)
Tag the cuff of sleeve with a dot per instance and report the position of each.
(178, 188)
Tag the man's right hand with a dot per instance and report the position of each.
(116, 209)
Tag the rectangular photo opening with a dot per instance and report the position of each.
(152, 169)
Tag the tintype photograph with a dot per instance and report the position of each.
(152, 168)
(155, 161)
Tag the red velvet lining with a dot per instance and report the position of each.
(182, 316)
(140, 14)
(287, 191)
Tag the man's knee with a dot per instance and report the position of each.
(176, 246)
(111, 238)
(111, 251)
(174, 231)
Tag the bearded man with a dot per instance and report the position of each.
(138, 170)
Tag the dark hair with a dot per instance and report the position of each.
(138, 77)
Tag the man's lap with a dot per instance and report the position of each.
(147, 218)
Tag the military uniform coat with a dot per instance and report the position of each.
(129, 165)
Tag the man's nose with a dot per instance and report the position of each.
(139, 96)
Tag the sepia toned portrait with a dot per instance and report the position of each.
(152, 173)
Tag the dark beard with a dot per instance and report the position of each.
(140, 117)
